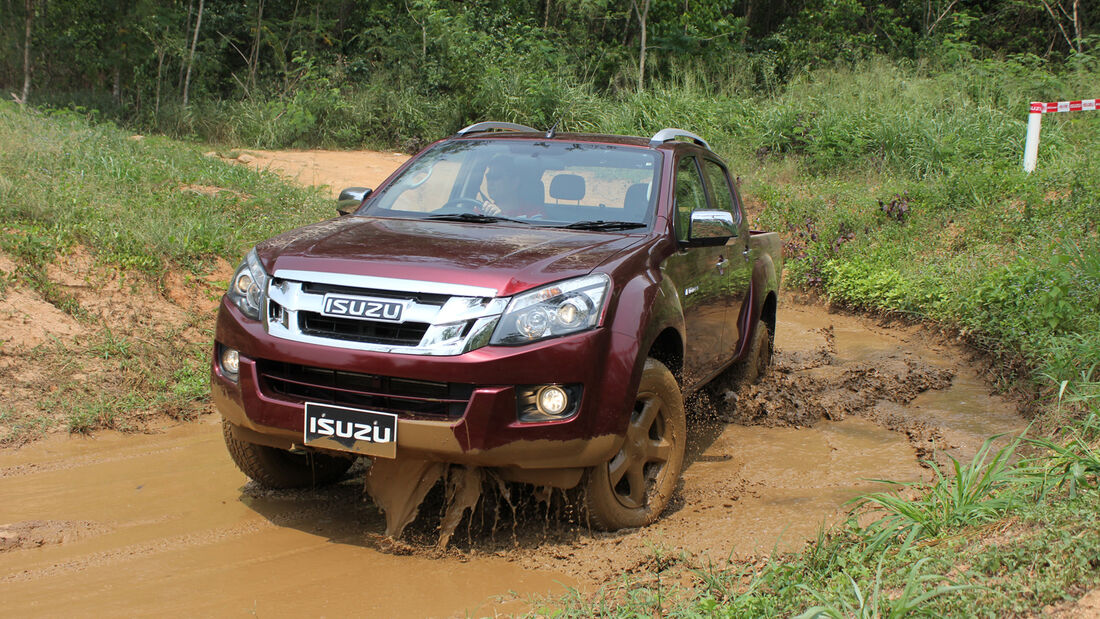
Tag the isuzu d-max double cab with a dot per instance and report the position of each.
(532, 302)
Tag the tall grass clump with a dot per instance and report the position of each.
(918, 590)
(976, 492)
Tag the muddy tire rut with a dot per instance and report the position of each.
(164, 523)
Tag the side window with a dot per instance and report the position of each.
(690, 195)
(723, 192)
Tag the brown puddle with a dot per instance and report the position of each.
(165, 523)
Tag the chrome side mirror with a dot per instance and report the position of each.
(351, 199)
(711, 228)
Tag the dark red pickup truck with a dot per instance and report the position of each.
(532, 302)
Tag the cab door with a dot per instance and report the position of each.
(700, 275)
(723, 196)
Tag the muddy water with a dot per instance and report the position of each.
(164, 523)
(916, 384)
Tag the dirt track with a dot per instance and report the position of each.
(164, 523)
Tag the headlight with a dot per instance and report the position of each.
(558, 309)
(248, 287)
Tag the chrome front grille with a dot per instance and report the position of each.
(404, 334)
(438, 319)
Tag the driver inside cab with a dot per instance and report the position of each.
(511, 191)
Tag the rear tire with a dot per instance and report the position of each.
(278, 468)
(634, 487)
(759, 357)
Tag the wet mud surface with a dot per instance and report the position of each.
(165, 523)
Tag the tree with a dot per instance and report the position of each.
(643, 15)
(27, 52)
(254, 56)
(1074, 19)
(191, 54)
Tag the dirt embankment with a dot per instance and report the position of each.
(84, 346)
(138, 524)
(335, 169)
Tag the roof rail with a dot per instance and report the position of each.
(667, 135)
(492, 124)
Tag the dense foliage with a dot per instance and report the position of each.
(402, 71)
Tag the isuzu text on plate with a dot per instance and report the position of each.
(350, 429)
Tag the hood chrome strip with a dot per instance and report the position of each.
(385, 283)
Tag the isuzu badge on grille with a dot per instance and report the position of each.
(363, 308)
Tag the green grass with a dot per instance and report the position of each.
(917, 590)
(126, 200)
(978, 492)
(1010, 260)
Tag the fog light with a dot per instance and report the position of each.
(553, 400)
(231, 361)
(542, 403)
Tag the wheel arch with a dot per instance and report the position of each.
(668, 348)
(767, 313)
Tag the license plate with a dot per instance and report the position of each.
(350, 429)
(363, 308)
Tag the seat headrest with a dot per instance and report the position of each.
(637, 197)
(567, 187)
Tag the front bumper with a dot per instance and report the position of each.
(487, 433)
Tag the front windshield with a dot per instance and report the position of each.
(537, 182)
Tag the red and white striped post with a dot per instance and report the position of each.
(1035, 120)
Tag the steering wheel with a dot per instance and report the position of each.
(423, 175)
(457, 204)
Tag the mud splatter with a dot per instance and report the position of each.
(398, 487)
(800, 393)
(463, 490)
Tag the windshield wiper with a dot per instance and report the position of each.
(600, 224)
(474, 218)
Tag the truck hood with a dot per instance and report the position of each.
(508, 258)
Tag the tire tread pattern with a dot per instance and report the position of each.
(277, 468)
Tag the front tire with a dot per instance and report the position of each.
(278, 468)
(635, 486)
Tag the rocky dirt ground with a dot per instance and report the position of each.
(163, 521)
